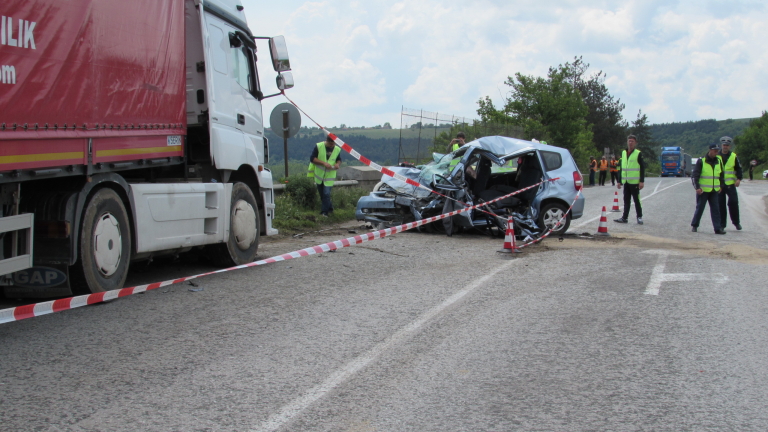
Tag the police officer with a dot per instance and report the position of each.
(708, 176)
(632, 175)
(733, 178)
(325, 160)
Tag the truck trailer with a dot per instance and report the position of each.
(128, 130)
(675, 162)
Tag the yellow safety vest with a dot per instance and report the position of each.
(321, 174)
(730, 169)
(455, 160)
(630, 167)
(710, 177)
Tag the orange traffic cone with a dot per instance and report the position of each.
(509, 238)
(615, 202)
(602, 229)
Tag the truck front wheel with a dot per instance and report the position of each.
(243, 240)
(105, 242)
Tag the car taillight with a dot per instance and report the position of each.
(578, 181)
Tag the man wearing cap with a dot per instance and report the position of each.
(325, 160)
(733, 177)
(632, 175)
(707, 178)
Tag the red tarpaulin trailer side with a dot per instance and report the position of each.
(114, 66)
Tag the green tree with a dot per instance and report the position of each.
(645, 142)
(753, 143)
(549, 109)
(608, 125)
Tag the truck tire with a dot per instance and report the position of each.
(105, 242)
(243, 241)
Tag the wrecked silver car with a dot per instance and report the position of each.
(480, 171)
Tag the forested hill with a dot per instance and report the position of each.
(382, 146)
(695, 136)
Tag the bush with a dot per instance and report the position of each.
(302, 191)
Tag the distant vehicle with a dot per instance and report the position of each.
(765, 174)
(675, 162)
(479, 171)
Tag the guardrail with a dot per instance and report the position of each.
(280, 187)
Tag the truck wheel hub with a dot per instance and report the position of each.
(107, 244)
(244, 224)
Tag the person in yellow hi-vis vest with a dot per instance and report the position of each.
(457, 142)
(325, 160)
(632, 175)
(708, 177)
(733, 177)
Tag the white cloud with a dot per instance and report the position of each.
(675, 60)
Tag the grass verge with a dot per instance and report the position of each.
(291, 216)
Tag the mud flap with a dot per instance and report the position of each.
(40, 282)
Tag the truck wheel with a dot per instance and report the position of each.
(105, 242)
(243, 241)
(550, 214)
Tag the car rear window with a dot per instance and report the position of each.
(552, 160)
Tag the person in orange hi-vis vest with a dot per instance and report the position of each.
(614, 170)
(603, 166)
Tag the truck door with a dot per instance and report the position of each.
(236, 122)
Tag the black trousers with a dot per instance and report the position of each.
(632, 192)
(591, 178)
(732, 196)
(614, 177)
(603, 175)
(714, 209)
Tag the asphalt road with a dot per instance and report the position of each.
(653, 328)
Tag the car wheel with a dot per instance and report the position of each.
(550, 214)
(105, 242)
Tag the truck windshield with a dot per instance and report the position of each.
(670, 158)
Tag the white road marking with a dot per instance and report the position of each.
(643, 198)
(295, 408)
(658, 276)
(657, 186)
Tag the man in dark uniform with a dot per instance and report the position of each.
(733, 177)
(708, 176)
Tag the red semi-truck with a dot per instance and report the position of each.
(128, 130)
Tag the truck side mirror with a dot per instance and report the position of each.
(279, 52)
(284, 80)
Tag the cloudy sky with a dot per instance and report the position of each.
(358, 62)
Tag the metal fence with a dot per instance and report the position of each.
(420, 129)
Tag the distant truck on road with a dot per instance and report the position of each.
(675, 162)
(128, 130)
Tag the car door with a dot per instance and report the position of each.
(236, 122)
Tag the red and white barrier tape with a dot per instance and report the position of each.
(44, 308)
